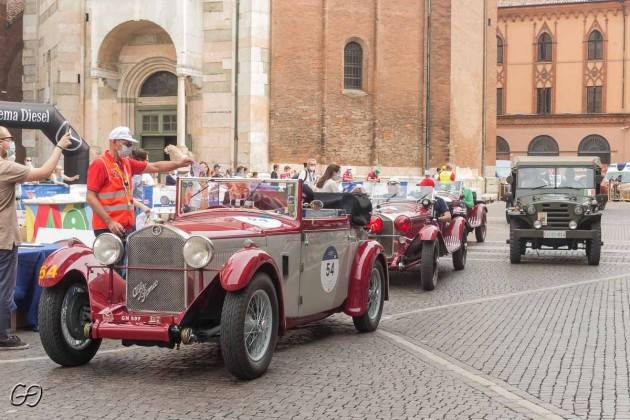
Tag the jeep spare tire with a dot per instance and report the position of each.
(249, 328)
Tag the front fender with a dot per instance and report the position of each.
(368, 252)
(73, 257)
(76, 261)
(242, 265)
(477, 215)
(429, 233)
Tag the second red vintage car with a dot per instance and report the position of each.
(475, 212)
(243, 262)
(407, 227)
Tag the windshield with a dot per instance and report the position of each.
(451, 188)
(275, 196)
(555, 178)
(396, 191)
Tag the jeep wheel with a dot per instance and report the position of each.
(63, 312)
(369, 321)
(481, 230)
(594, 246)
(429, 265)
(459, 256)
(516, 245)
(249, 328)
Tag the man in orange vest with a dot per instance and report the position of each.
(110, 193)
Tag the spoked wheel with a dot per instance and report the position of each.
(249, 328)
(369, 321)
(459, 256)
(481, 230)
(429, 265)
(63, 312)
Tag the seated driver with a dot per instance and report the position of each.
(442, 212)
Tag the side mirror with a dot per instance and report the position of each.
(509, 179)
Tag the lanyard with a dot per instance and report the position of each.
(125, 179)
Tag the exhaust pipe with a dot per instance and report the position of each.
(49, 121)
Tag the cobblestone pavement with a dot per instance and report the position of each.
(549, 338)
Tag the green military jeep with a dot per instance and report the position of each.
(553, 205)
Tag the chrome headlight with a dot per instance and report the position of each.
(573, 224)
(578, 210)
(198, 251)
(108, 249)
(594, 202)
(537, 224)
(426, 202)
(531, 210)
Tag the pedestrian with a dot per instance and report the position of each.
(308, 173)
(347, 175)
(446, 175)
(216, 171)
(254, 174)
(12, 173)
(109, 185)
(28, 162)
(274, 173)
(205, 169)
(427, 181)
(374, 175)
(228, 173)
(329, 182)
(286, 174)
(58, 177)
(138, 183)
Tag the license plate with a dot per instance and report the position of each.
(554, 234)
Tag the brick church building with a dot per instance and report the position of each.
(403, 84)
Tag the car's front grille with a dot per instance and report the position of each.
(557, 215)
(162, 287)
(386, 238)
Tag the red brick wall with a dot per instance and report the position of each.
(312, 116)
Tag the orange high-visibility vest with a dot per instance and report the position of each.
(116, 196)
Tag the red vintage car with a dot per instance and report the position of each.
(243, 262)
(476, 216)
(406, 225)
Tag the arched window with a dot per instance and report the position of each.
(161, 83)
(543, 146)
(499, 50)
(503, 149)
(595, 145)
(544, 47)
(595, 46)
(353, 66)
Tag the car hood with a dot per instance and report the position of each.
(230, 224)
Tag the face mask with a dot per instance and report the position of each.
(124, 151)
(336, 177)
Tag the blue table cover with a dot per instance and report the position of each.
(27, 290)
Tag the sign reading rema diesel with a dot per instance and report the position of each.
(24, 116)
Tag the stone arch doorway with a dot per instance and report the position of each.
(156, 113)
(135, 81)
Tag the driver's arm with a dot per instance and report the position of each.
(445, 217)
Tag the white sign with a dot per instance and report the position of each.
(261, 222)
(329, 269)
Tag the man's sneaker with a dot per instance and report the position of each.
(12, 342)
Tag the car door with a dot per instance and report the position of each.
(326, 263)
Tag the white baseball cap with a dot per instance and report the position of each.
(393, 181)
(122, 133)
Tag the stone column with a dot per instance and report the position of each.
(181, 110)
(94, 111)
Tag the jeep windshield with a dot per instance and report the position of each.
(553, 178)
(274, 196)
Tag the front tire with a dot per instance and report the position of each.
(429, 265)
(249, 328)
(369, 321)
(594, 246)
(516, 245)
(459, 256)
(481, 231)
(63, 310)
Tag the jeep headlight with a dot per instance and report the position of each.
(579, 210)
(531, 210)
(537, 224)
(108, 249)
(198, 251)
